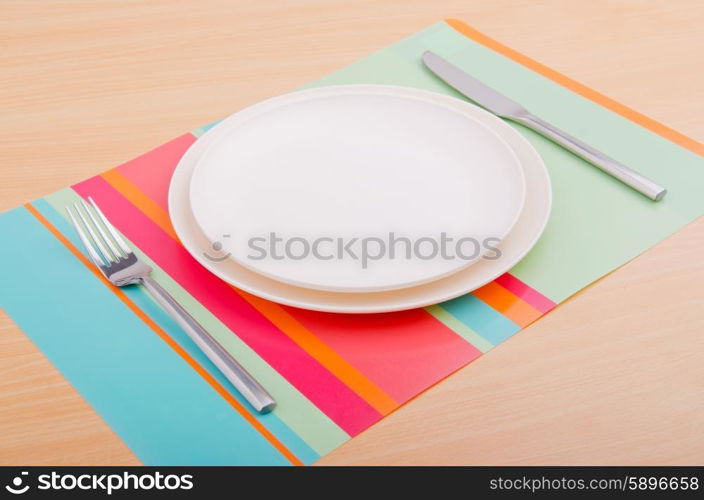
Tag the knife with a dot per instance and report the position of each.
(502, 106)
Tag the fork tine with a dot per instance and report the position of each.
(89, 247)
(115, 251)
(123, 245)
(92, 236)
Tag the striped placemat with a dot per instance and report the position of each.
(333, 375)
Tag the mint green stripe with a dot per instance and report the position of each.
(597, 223)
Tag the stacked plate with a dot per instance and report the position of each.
(360, 198)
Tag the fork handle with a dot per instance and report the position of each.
(253, 392)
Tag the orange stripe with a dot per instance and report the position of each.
(324, 354)
(165, 337)
(508, 304)
(578, 88)
(140, 200)
(305, 339)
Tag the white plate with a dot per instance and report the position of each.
(290, 181)
(520, 240)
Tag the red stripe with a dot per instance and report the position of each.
(330, 395)
(152, 171)
(403, 352)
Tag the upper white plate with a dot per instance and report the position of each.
(516, 245)
(292, 180)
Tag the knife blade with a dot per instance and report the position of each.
(507, 108)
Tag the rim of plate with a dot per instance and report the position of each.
(433, 292)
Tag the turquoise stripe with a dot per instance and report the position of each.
(210, 125)
(202, 130)
(271, 421)
(152, 399)
(482, 318)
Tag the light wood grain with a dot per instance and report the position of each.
(613, 376)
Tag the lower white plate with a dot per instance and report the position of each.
(520, 240)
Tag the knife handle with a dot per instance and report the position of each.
(628, 176)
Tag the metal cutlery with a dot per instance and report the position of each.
(118, 263)
(502, 106)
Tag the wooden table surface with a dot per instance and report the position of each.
(613, 376)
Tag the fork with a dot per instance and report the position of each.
(118, 263)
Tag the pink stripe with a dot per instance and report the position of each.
(328, 393)
(525, 292)
(152, 171)
(403, 353)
